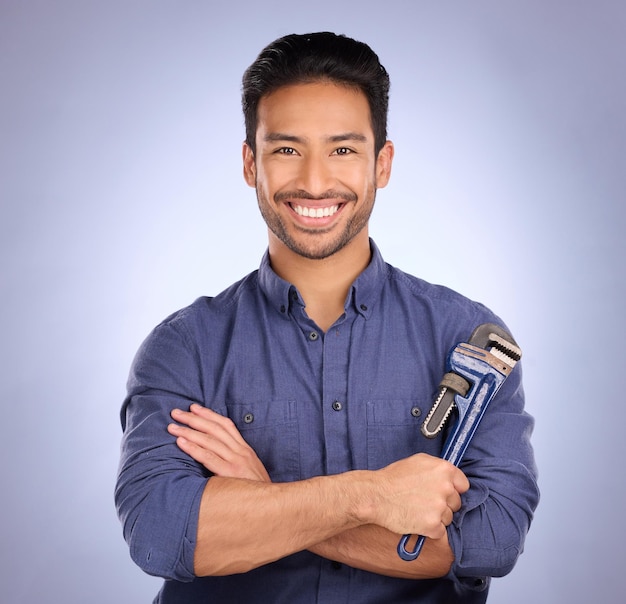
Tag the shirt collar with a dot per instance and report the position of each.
(366, 289)
(363, 294)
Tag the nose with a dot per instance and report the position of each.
(315, 175)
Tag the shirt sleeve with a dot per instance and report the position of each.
(159, 487)
(487, 533)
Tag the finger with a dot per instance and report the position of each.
(203, 426)
(213, 445)
(209, 452)
(189, 418)
(224, 423)
(447, 517)
(220, 453)
(205, 412)
(219, 459)
(437, 531)
(211, 423)
(207, 458)
(454, 502)
(460, 481)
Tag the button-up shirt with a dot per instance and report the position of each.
(312, 403)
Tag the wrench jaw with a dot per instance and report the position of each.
(488, 341)
(439, 413)
(508, 352)
(498, 342)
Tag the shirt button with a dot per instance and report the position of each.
(313, 336)
(337, 406)
(336, 565)
(248, 418)
(416, 412)
(363, 307)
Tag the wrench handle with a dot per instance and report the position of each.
(407, 555)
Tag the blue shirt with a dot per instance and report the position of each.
(313, 403)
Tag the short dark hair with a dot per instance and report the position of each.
(305, 58)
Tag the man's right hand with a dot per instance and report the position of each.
(416, 495)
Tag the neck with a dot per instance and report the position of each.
(323, 284)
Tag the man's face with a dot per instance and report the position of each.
(314, 169)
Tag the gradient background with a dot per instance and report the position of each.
(122, 200)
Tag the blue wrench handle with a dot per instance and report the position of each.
(410, 555)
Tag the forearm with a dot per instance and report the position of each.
(244, 524)
(373, 549)
(246, 521)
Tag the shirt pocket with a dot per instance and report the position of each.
(271, 429)
(393, 431)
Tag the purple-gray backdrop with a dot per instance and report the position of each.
(121, 200)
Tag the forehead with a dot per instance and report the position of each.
(325, 108)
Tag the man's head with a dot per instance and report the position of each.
(316, 148)
(308, 58)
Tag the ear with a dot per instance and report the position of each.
(249, 167)
(383, 165)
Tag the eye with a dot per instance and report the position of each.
(286, 151)
(342, 151)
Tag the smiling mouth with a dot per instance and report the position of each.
(315, 212)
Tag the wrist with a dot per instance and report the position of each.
(363, 503)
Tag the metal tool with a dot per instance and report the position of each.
(476, 370)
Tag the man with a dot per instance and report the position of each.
(295, 460)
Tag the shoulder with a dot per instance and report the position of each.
(419, 289)
(206, 319)
(438, 304)
(205, 307)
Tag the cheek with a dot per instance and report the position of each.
(264, 185)
(267, 185)
(359, 178)
(275, 180)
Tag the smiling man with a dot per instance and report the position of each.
(271, 449)
(316, 170)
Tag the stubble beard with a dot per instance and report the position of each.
(315, 244)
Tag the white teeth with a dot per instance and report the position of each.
(315, 212)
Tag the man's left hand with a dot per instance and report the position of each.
(214, 441)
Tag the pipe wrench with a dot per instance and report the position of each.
(476, 370)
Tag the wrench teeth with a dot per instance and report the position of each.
(428, 429)
(504, 350)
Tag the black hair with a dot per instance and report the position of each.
(305, 58)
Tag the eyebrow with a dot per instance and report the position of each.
(275, 137)
(348, 136)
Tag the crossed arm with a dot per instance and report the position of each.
(356, 518)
